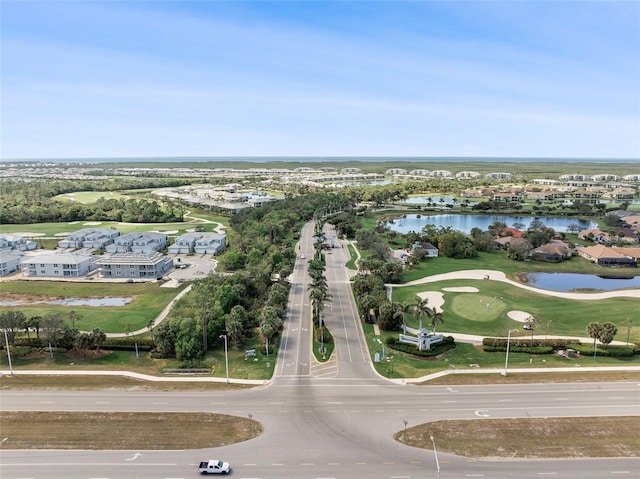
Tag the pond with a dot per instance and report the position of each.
(96, 302)
(574, 281)
(466, 223)
(435, 199)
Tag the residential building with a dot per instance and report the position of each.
(432, 251)
(58, 265)
(147, 242)
(92, 238)
(134, 265)
(201, 243)
(603, 256)
(15, 242)
(553, 252)
(9, 262)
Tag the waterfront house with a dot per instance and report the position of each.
(604, 256)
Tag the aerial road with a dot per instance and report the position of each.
(330, 420)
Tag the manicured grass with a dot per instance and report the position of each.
(351, 264)
(125, 430)
(148, 300)
(498, 260)
(468, 313)
(530, 437)
(51, 229)
(87, 197)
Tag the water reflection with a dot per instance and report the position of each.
(466, 223)
(95, 302)
(574, 281)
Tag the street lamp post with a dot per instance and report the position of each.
(506, 359)
(6, 340)
(226, 356)
(435, 452)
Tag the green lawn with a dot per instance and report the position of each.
(148, 300)
(87, 197)
(468, 312)
(497, 260)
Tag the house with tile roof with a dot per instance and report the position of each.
(604, 256)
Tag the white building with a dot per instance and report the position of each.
(92, 238)
(138, 243)
(58, 265)
(16, 242)
(9, 262)
(498, 176)
(468, 174)
(201, 243)
(134, 265)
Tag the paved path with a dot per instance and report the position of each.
(163, 314)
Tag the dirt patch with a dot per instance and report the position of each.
(530, 438)
(124, 431)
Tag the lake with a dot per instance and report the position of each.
(466, 223)
(573, 281)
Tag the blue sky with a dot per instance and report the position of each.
(115, 78)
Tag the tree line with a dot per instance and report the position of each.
(30, 202)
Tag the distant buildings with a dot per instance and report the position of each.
(15, 242)
(200, 243)
(138, 243)
(91, 238)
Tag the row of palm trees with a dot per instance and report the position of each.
(319, 287)
(421, 310)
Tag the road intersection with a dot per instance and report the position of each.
(333, 420)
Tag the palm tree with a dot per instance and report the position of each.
(421, 309)
(436, 317)
(593, 330)
(401, 311)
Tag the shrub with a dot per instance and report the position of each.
(524, 345)
(611, 351)
(128, 344)
(447, 344)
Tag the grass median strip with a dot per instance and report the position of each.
(530, 437)
(123, 430)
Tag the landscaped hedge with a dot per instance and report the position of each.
(548, 346)
(128, 344)
(447, 344)
(612, 351)
(524, 345)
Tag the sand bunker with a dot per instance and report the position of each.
(92, 223)
(29, 235)
(462, 289)
(435, 299)
(66, 233)
(519, 316)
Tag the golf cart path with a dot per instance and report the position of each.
(495, 275)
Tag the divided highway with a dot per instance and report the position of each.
(333, 420)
